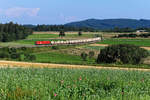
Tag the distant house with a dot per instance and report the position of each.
(140, 31)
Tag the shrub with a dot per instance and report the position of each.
(84, 56)
(12, 50)
(23, 48)
(55, 47)
(125, 53)
(91, 54)
(4, 54)
(79, 33)
(32, 57)
(61, 33)
(15, 56)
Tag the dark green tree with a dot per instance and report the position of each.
(125, 53)
(61, 33)
(91, 54)
(79, 33)
(84, 56)
(15, 56)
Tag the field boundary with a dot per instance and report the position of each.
(15, 64)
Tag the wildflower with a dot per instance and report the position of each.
(142, 80)
(55, 94)
(68, 86)
(62, 81)
(80, 78)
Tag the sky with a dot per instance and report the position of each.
(65, 11)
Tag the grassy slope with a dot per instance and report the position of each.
(139, 42)
(56, 57)
(79, 84)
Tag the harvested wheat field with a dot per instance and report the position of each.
(14, 64)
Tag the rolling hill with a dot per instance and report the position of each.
(111, 23)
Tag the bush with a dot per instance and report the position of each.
(15, 56)
(91, 54)
(55, 47)
(125, 53)
(4, 54)
(12, 50)
(79, 33)
(61, 33)
(84, 56)
(32, 57)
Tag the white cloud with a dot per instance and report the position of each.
(19, 11)
(67, 18)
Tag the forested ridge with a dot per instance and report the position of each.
(11, 32)
(106, 24)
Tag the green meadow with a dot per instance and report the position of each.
(138, 42)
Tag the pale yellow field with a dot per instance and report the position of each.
(14, 64)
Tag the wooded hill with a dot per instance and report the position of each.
(111, 23)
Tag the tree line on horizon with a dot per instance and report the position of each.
(11, 32)
(84, 29)
(60, 28)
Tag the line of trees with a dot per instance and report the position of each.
(125, 30)
(84, 29)
(120, 30)
(146, 35)
(11, 32)
(60, 28)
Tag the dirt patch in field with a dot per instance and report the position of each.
(104, 45)
(147, 48)
(14, 64)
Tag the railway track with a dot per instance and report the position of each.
(67, 42)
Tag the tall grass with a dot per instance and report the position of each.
(73, 84)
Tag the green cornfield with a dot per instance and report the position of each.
(73, 84)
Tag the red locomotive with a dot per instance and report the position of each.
(43, 42)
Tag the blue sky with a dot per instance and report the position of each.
(64, 11)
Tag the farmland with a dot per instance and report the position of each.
(56, 57)
(48, 79)
(71, 54)
(48, 36)
(138, 42)
(74, 84)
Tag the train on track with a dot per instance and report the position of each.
(81, 41)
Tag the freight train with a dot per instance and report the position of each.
(68, 41)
